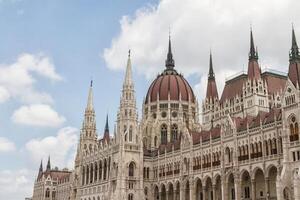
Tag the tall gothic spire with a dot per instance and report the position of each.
(211, 91)
(294, 67)
(252, 53)
(294, 53)
(170, 63)
(253, 67)
(48, 164)
(211, 74)
(128, 74)
(41, 166)
(90, 104)
(106, 124)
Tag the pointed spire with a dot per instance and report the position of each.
(41, 166)
(170, 64)
(211, 91)
(294, 67)
(252, 53)
(294, 53)
(211, 74)
(48, 164)
(90, 104)
(106, 130)
(253, 67)
(106, 124)
(128, 74)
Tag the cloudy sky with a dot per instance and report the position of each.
(51, 49)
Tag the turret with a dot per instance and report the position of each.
(254, 71)
(211, 91)
(211, 101)
(48, 168)
(294, 66)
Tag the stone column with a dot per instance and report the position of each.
(253, 191)
(167, 194)
(204, 192)
(192, 190)
(224, 189)
(267, 188)
(182, 192)
(214, 192)
(237, 188)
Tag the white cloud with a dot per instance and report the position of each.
(14, 184)
(38, 115)
(197, 26)
(61, 147)
(17, 79)
(6, 145)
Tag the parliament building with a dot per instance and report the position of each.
(246, 145)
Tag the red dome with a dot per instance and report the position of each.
(170, 82)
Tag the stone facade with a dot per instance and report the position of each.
(247, 146)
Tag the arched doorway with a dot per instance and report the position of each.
(246, 185)
(231, 189)
(156, 193)
(163, 192)
(209, 189)
(187, 191)
(171, 192)
(218, 188)
(272, 182)
(199, 190)
(260, 191)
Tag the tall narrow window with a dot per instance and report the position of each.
(131, 169)
(174, 132)
(130, 134)
(164, 134)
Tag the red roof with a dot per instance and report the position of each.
(233, 87)
(253, 69)
(172, 83)
(211, 91)
(294, 73)
(205, 135)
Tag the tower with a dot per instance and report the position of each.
(211, 102)
(130, 156)
(255, 89)
(48, 168)
(88, 136)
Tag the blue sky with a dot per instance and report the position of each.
(50, 50)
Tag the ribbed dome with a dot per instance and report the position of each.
(170, 82)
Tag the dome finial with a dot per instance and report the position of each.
(170, 61)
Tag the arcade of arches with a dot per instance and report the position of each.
(255, 185)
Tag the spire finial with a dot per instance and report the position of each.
(294, 53)
(41, 166)
(129, 53)
(48, 164)
(170, 61)
(252, 54)
(106, 124)
(211, 74)
(128, 75)
(90, 105)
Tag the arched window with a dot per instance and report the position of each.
(105, 170)
(47, 194)
(164, 134)
(174, 132)
(100, 170)
(130, 196)
(92, 172)
(83, 175)
(130, 134)
(125, 133)
(294, 129)
(131, 169)
(96, 172)
(155, 141)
